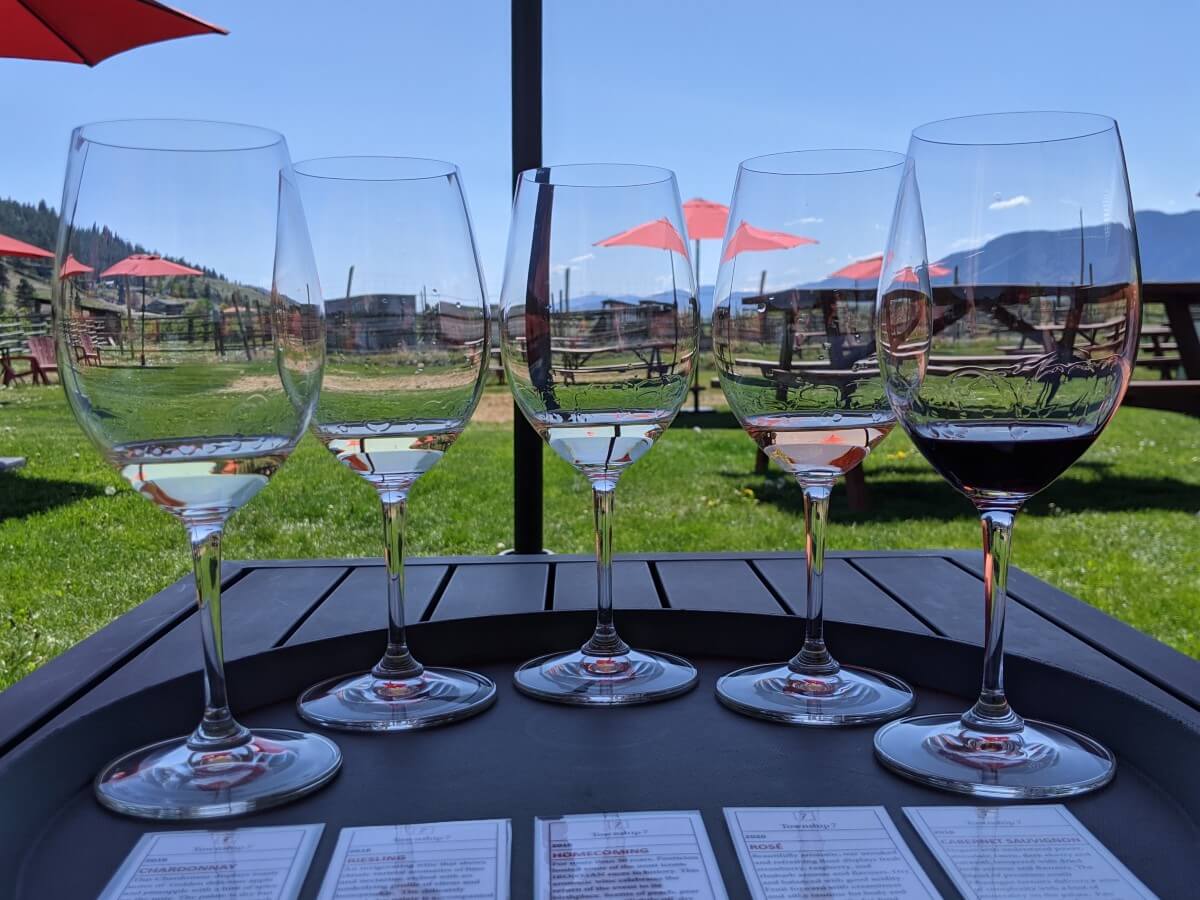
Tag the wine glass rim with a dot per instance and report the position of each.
(576, 175)
(1057, 125)
(423, 168)
(254, 137)
(775, 163)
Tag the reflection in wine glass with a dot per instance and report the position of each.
(1004, 366)
(794, 340)
(407, 347)
(599, 334)
(195, 413)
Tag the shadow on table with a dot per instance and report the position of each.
(898, 494)
(23, 495)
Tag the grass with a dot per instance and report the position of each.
(77, 547)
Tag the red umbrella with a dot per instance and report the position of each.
(864, 270)
(747, 237)
(658, 235)
(147, 265)
(73, 267)
(908, 276)
(705, 219)
(13, 247)
(89, 31)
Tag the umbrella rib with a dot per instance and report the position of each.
(187, 17)
(54, 31)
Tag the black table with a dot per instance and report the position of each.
(289, 623)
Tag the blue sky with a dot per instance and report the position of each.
(695, 86)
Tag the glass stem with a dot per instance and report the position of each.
(991, 711)
(397, 662)
(604, 641)
(218, 730)
(814, 658)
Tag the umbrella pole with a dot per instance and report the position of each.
(700, 325)
(675, 306)
(143, 321)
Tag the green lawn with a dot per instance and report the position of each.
(77, 548)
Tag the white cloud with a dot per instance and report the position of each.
(1010, 203)
(806, 220)
(579, 259)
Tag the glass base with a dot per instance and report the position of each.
(169, 781)
(1037, 762)
(852, 696)
(639, 676)
(362, 702)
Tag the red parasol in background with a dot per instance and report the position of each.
(863, 270)
(749, 238)
(908, 276)
(658, 235)
(147, 265)
(73, 267)
(871, 268)
(13, 247)
(90, 31)
(705, 219)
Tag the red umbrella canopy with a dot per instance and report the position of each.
(747, 238)
(89, 31)
(148, 265)
(864, 270)
(908, 276)
(705, 219)
(658, 235)
(73, 267)
(13, 247)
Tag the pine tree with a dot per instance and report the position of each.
(25, 298)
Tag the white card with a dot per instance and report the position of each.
(622, 856)
(830, 852)
(1001, 852)
(245, 863)
(438, 859)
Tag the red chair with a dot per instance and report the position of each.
(41, 352)
(85, 350)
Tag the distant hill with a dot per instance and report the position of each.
(1169, 245)
(96, 245)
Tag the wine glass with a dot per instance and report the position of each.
(598, 331)
(406, 355)
(794, 340)
(194, 229)
(1004, 360)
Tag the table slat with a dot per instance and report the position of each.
(849, 595)
(258, 611)
(715, 584)
(360, 602)
(951, 599)
(41, 694)
(633, 586)
(1152, 659)
(493, 590)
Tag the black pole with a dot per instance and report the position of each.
(143, 321)
(526, 40)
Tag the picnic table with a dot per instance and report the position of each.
(288, 624)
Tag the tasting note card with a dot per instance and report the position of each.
(832, 852)
(441, 859)
(1001, 852)
(622, 856)
(245, 863)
